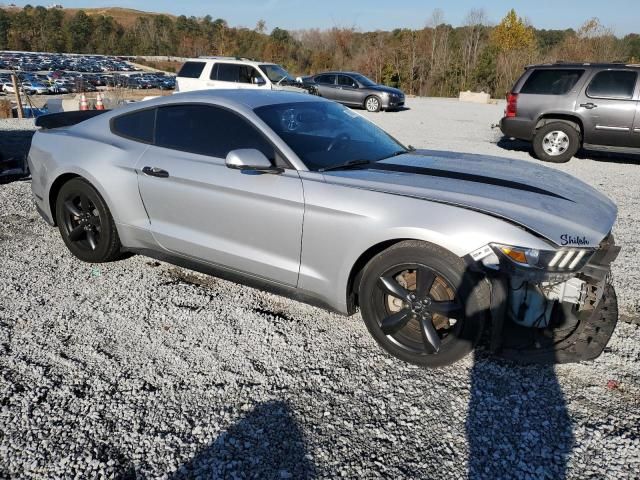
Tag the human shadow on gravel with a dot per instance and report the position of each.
(266, 443)
(518, 425)
(521, 146)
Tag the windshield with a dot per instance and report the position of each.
(364, 81)
(326, 134)
(275, 73)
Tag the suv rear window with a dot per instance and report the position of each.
(191, 70)
(613, 84)
(137, 126)
(551, 82)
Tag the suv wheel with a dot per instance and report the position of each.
(421, 304)
(556, 142)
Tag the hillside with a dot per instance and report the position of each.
(124, 16)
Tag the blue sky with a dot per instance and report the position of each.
(621, 15)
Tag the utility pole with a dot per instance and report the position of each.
(14, 79)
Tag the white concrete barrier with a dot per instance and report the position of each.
(474, 97)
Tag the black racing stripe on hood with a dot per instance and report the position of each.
(467, 177)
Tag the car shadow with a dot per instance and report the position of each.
(622, 158)
(14, 148)
(266, 443)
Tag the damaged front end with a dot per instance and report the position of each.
(551, 306)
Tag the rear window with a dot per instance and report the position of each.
(613, 84)
(326, 79)
(191, 70)
(551, 82)
(137, 126)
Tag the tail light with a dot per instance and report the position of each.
(512, 105)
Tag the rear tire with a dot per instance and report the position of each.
(85, 223)
(440, 282)
(556, 142)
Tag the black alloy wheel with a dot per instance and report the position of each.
(421, 304)
(85, 223)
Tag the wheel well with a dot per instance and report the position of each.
(55, 189)
(356, 271)
(575, 122)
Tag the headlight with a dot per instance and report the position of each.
(557, 261)
(562, 260)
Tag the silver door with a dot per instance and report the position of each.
(202, 209)
(608, 108)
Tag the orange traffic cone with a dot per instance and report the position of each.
(99, 104)
(83, 102)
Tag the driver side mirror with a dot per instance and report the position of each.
(250, 160)
(257, 80)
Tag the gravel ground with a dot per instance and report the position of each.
(138, 369)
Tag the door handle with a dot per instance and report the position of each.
(155, 172)
(588, 105)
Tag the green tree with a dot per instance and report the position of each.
(79, 31)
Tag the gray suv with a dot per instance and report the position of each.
(562, 107)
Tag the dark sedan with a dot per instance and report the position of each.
(355, 90)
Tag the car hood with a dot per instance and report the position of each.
(553, 204)
(384, 88)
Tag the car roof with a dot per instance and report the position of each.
(241, 98)
(336, 72)
(239, 60)
(583, 65)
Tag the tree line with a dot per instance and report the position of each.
(437, 60)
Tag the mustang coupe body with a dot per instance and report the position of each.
(300, 196)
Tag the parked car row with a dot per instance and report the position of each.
(60, 82)
(38, 62)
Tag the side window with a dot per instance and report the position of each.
(345, 81)
(137, 126)
(613, 84)
(207, 130)
(248, 74)
(326, 79)
(551, 82)
(191, 70)
(226, 72)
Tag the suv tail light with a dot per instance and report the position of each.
(512, 105)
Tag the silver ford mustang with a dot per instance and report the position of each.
(301, 196)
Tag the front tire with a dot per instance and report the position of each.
(85, 223)
(556, 142)
(421, 304)
(372, 104)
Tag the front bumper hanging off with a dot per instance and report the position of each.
(576, 333)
